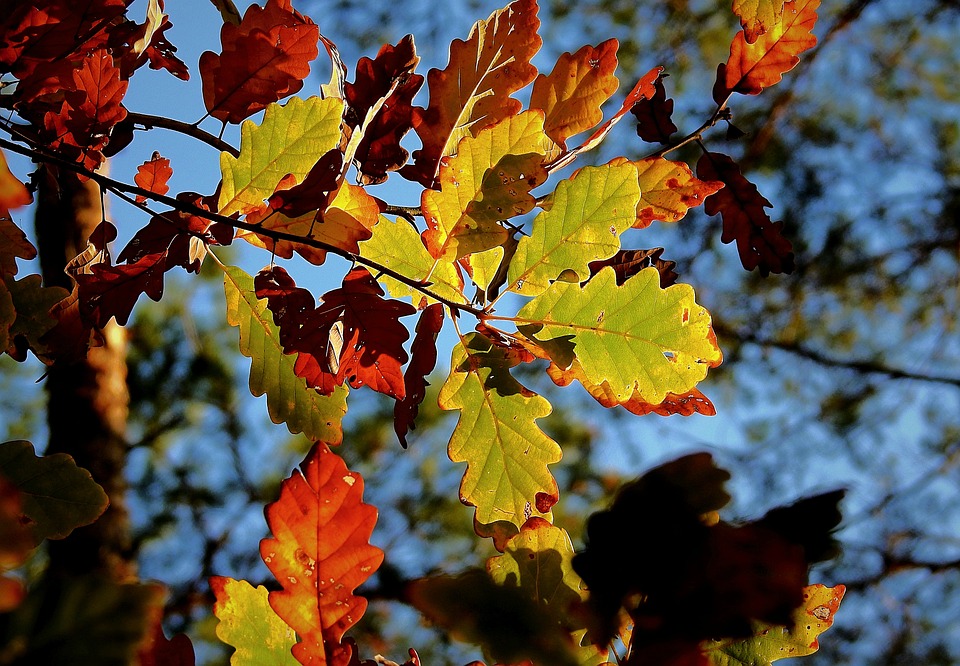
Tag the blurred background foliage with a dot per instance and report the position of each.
(844, 373)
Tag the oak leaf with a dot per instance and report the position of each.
(663, 343)
(668, 190)
(627, 263)
(13, 193)
(264, 59)
(13, 244)
(423, 358)
(506, 453)
(760, 242)
(290, 140)
(582, 222)
(753, 67)
(250, 625)
(488, 180)
(474, 90)
(758, 17)
(320, 552)
(380, 151)
(153, 175)
(572, 94)
(772, 642)
(654, 116)
(396, 245)
(289, 399)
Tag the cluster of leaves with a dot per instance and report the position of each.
(614, 319)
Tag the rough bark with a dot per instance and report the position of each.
(87, 401)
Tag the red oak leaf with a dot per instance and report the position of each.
(111, 291)
(474, 90)
(760, 242)
(153, 175)
(654, 122)
(355, 335)
(627, 263)
(379, 150)
(423, 358)
(313, 192)
(753, 67)
(320, 552)
(264, 59)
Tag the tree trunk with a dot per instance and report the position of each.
(88, 400)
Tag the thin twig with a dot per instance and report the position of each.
(149, 122)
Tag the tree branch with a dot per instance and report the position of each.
(182, 206)
(861, 366)
(149, 122)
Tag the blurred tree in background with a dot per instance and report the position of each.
(845, 372)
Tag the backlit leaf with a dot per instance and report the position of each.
(582, 222)
(289, 400)
(474, 89)
(538, 561)
(627, 263)
(771, 642)
(290, 140)
(265, 58)
(758, 17)
(753, 67)
(497, 436)
(572, 94)
(396, 245)
(320, 552)
(760, 242)
(654, 116)
(13, 193)
(489, 179)
(153, 175)
(668, 189)
(380, 150)
(423, 358)
(636, 337)
(58, 496)
(250, 625)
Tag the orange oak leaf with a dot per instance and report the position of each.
(423, 358)
(667, 190)
(320, 552)
(654, 116)
(645, 89)
(753, 67)
(355, 335)
(758, 17)
(153, 175)
(347, 219)
(264, 59)
(379, 151)
(571, 96)
(474, 90)
(13, 193)
(96, 96)
(760, 242)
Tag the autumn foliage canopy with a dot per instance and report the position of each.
(510, 204)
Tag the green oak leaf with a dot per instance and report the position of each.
(289, 400)
(33, 303)
(582, 222)
(488, 180)
(772, 642)
(290, 140)
(497, 436)
(249, 624)
(397, 245)
(58, 496)
(538, 560)
(636, 336)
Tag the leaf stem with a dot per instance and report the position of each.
(722, 113)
